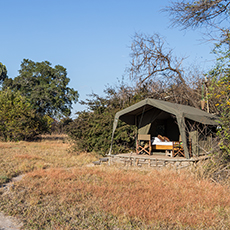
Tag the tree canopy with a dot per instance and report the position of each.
(18, 119)
(3, 72)
(46, 87)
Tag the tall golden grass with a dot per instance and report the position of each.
(156, 196)
(70, 195)
(52, 151)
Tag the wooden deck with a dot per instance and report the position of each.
(155, 160)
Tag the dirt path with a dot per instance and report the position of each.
(9, 222)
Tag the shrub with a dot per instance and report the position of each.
(92, 132)
(18, 120)
(220, 95)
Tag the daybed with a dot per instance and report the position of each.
(171, 148)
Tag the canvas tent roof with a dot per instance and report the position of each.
(128, 115)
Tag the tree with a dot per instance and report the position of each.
(45, 87)
(220, 97)
(152, 60)
(92, 129)
(198, 13)
(18, 119)
(3, 72)
(211, 14)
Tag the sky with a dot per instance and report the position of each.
(90, 38)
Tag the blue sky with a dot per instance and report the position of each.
(90, 38)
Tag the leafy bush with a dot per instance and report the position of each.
(18, 119)
(220, 97)
(224, 106)
(59, 126)
(92, 131)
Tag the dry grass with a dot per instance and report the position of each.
(52, 151)
(80, 197)
(158, 196)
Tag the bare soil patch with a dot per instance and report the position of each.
(9, 222)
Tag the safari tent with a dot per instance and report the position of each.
(175, 121)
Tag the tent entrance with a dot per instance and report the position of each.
(157, 122)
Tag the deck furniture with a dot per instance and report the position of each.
(177, 149)
(143, 144)
(162, 143)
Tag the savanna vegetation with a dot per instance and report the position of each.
(61, 189)
(32, 101)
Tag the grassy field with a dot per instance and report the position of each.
(62, 190)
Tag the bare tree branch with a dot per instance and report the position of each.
(151, 60)
(196, 13)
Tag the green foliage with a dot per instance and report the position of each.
(221, 94)
(3, 72)
(45, 87)
(18, 119)
(29, 101)
(59, 127)
(92, 129)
